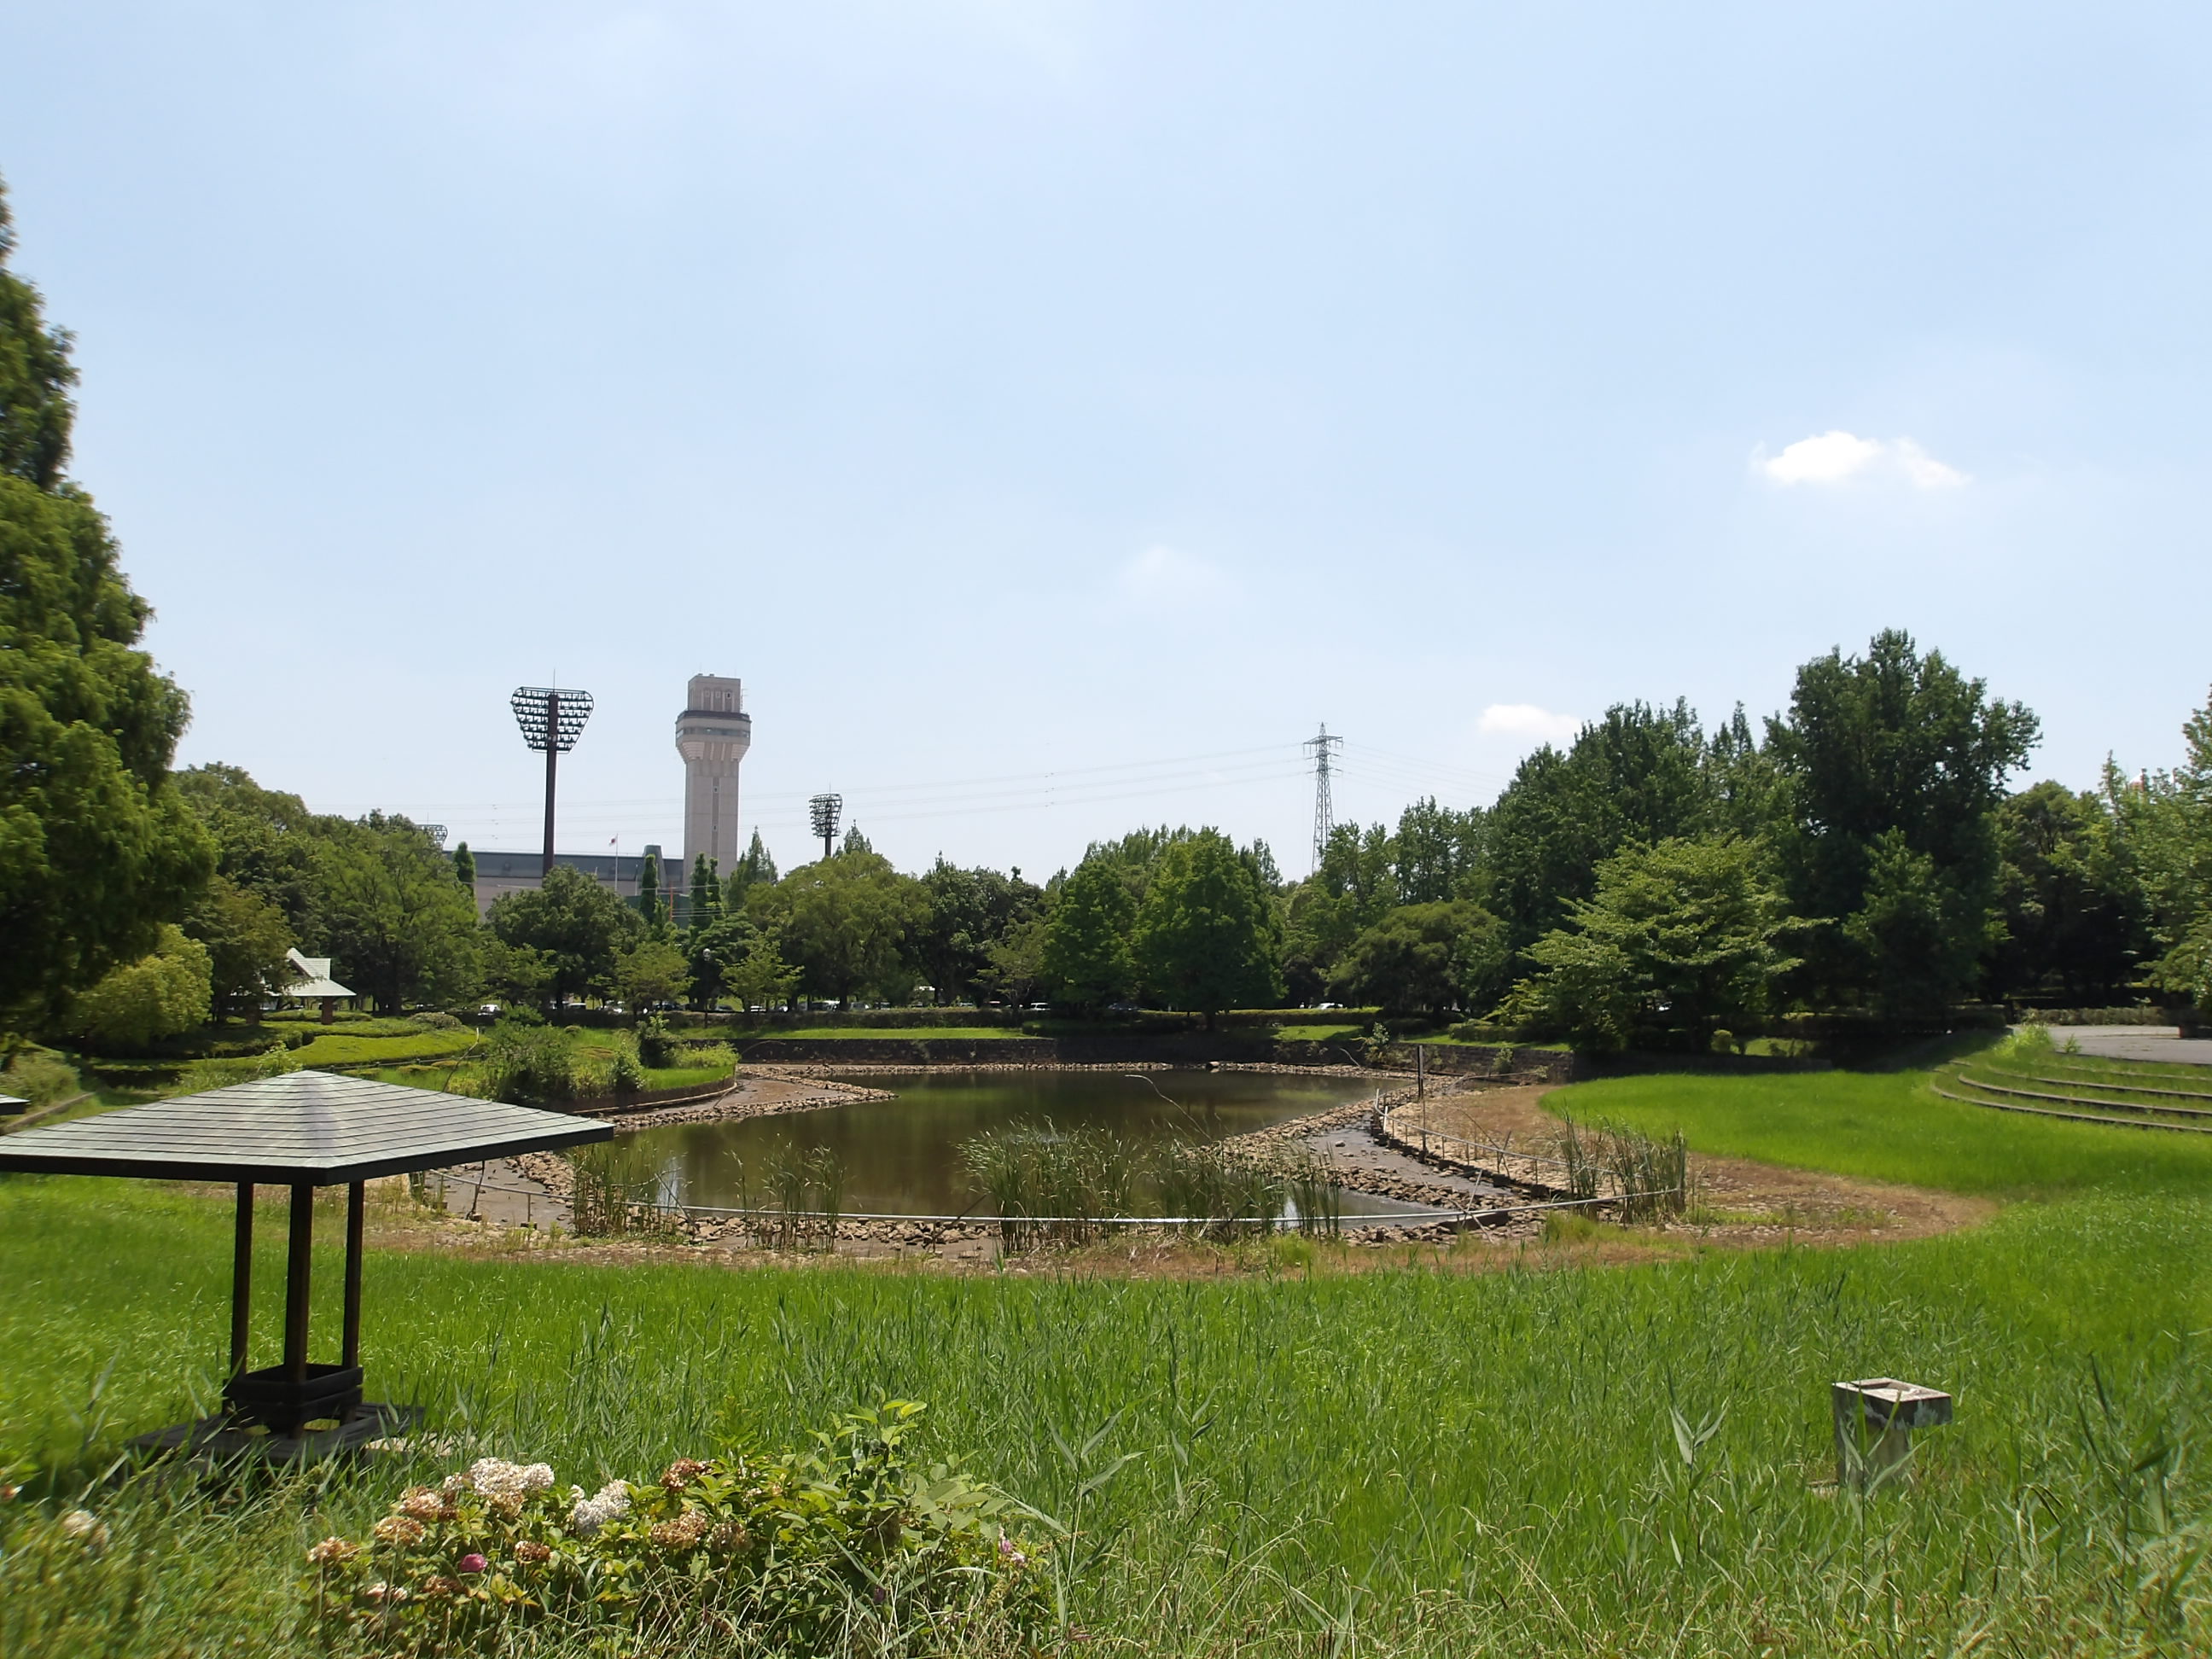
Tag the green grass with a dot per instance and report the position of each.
(886, 1033)
(1318, 1033)
(1890, 1126)
(344, 1049)
(1395, 1462)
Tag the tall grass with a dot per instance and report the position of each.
(1396, 1463)
(794, 1199)
(1051, 1186)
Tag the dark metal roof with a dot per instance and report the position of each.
(303, 1127)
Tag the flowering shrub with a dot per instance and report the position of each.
(850, 1544)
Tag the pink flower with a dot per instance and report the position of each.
(473, 1563)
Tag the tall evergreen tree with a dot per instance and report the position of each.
(648, 889)
(706, 894)
(1207, 936)
(754, 869)
(1636, 775)
(97, 852)
(464, 868)
(1084, 958)
(1892, 769)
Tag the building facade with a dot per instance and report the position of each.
(500, 874)
(712, 734)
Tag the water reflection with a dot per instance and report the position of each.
(900, 1156)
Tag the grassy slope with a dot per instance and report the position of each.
(1489, 1459)
(1889, 1126)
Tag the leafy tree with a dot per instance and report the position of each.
(760, 978)
(1084, 953)
(396, 925)
(156, 996)
(264, 839)
(1015, 972)
(246, 939)
(845, 922)
(651, 973)
(2166, 822)
(648, 891)
(1638, 775)
(1437, 853)
(97, 852)
(1207, 937)
(713, 950)
(855, 841)
(2071, 903)
(577, 928)
(1355, 887)
(969, 911)
(1426, 958)
(1138, 854)
(754, 869)
(1745, 779)
(1681, 940)
(522, 977)
(1892, 769)
(464, 866)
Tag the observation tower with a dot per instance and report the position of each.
(712, 734)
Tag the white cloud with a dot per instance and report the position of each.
(1525, 720)
(1163, 575)
(1834, 458)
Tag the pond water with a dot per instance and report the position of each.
(900, 1156)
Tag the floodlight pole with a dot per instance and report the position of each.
(550, 720)
(552, 760)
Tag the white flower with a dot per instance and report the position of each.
(496, 1477)
(592, 1513)
(87, 1528)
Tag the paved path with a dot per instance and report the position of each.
(498, 1202)
(2160, 1042)
(1354, 1149)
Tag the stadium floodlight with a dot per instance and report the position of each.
(551, 719)
(825, 810)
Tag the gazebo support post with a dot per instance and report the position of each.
(241, 1279)
(297, 1260)
(357, 1195)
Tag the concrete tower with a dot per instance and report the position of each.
(712, 734)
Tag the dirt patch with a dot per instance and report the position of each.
(1737, 1202)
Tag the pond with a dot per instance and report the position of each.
(902, 1156)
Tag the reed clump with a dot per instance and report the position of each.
(1643, 1177)
(1066, 1186)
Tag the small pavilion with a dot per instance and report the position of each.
(310, 982)
(300, 1130)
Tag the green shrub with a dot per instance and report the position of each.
(156, 996)
(528, 1065)
(39, 1076)
(850, 1547)
(431, 1020)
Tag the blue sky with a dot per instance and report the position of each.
(1116, 392)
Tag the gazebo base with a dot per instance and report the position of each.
(224, 1439)
(271, 1398)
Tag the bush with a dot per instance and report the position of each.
(39, 1076)
(527, 1064)
(156, 996)
(432, 1021)
(848, 1547)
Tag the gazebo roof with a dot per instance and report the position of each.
(301, 1129)
(314, 977)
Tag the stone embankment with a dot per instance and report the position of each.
(1532, 1173)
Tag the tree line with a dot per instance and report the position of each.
(1860, 851)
